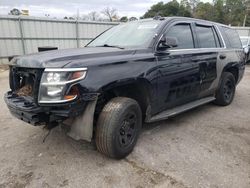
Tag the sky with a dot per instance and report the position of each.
(60, 8)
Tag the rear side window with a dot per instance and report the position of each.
(232, 37)
(183, 34)
(206, 37)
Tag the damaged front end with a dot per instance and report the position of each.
(49, 96)
(22, 99)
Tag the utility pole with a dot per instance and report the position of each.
(244, 22)
(77, 14)
(246, 14)
(77, 28)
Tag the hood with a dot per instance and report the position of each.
(67, 57)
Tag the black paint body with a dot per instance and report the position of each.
(170, 78)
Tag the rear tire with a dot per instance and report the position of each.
(225, 94)
(118, 127)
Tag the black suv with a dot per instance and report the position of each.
(141, 71)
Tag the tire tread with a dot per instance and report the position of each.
(219, 94)
(107, 121)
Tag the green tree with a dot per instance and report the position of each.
(172, 8)
(193, 4)
(185, 9)
(156, 9)
(132, 19)
(229, 12)
(235, 12)
(186, 5)
(247, 14)
(219, 15)
(204, 11)
(124, 19)
(15, 12)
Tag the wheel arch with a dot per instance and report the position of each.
(234, 69)
(137, 89)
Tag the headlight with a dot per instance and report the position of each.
(53, 77)
(56, 83)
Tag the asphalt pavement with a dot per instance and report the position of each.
(205, 147)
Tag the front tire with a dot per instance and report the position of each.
(118, 127)
(225, 94)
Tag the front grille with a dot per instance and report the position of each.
(24, 82)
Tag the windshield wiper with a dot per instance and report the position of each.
(111, 46)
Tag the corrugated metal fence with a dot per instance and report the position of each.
(23, 35)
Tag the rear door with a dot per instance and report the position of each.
(235, 56)
(206, 55)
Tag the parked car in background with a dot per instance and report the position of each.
(141, 71)
(245, 41)
(246, 46)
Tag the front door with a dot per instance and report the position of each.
(179, 79)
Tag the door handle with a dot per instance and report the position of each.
(222, 56)
(195, 60)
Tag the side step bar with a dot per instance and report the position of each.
(179, 109)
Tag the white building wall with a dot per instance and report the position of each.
(243, 31)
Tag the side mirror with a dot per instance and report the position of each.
(167, 42)
(246, 49)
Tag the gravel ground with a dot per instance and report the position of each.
(206, 147)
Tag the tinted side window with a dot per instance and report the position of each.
(206, 36)
(233, 37)
(183, 34)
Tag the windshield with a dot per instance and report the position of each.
(132, 34)
(244, 42)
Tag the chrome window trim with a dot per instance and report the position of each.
(223, 41)
(186, 49)
(196, 49)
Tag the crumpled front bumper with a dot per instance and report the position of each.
(25, 109)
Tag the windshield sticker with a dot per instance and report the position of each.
(147, 26)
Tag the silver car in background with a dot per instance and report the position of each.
(245, 40)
